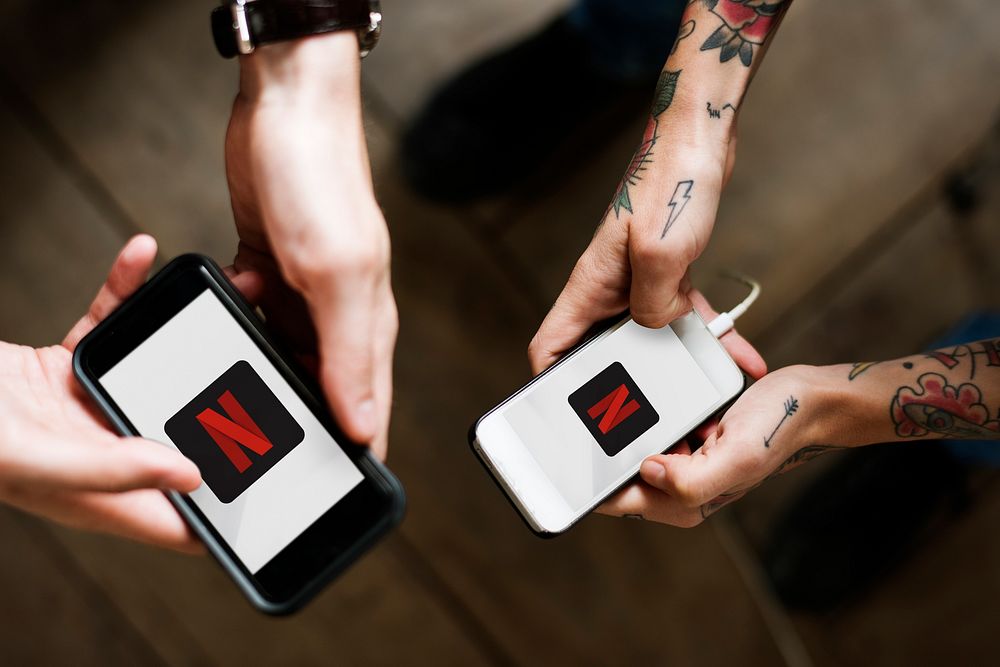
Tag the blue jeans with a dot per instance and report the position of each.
(629, 39)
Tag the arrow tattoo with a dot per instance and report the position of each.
(683, 189)
(791, 405)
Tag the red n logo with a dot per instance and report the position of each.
(614, 408)
(238, 429)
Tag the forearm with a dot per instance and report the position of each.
(686, 153)
(950, 393)
(719, 48)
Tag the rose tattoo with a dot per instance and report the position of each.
(745, 25)
(938, 407)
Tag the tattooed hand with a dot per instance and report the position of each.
(662, 213)
(760, 436)
(798, 413)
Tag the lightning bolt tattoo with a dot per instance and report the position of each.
(676, 205)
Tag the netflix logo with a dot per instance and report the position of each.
(613, 409)
(235, 431)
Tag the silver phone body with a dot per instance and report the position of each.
(571, 437)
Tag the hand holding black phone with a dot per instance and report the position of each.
(287, 502)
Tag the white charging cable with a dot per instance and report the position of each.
(724, 322)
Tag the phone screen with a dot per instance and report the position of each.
(590, 422)
(269, 468)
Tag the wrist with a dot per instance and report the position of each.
(315, 68)
(853, 415)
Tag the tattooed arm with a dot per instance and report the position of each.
(800, 412)
(663, 210)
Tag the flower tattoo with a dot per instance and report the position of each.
(643, 155)
(938, 407)
(745, 25)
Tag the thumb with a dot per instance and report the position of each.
(692, 479)
(595, 291)
(659, 269)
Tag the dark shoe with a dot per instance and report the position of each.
(859, 520)
(495, 123)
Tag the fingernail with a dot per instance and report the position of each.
(653, 472)
(366, 416)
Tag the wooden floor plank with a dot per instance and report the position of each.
(928, 279)
(55, 247)
(426, 42)
(53, 615)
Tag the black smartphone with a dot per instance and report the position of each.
(286, 501)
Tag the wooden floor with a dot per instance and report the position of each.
(865, 113)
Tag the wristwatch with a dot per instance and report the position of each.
(240, 26)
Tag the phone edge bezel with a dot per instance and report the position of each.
(372, 469)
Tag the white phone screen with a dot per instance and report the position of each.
(202, 361)
(589, 423)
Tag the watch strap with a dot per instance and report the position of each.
(271, 21)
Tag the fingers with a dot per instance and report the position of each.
(344, 316)
(249, 283)
(128, 273)
(145, 516)
(596, 290)
(385, 344)
(100, 463)
(693, 480)
(743, 353)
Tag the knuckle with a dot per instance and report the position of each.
(321, 261)
(652, 251)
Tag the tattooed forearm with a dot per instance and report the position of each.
(717, 113)
(986, 352)
(935, 406)
(745, 26)
(791, 405)
(682, 193)
(643, 155)
(859, 368)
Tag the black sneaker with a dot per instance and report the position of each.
(492, 126)
(858, 520)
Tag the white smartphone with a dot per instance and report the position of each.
(571, 437)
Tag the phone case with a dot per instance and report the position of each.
(307, 390)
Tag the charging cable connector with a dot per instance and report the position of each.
(724, 322)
